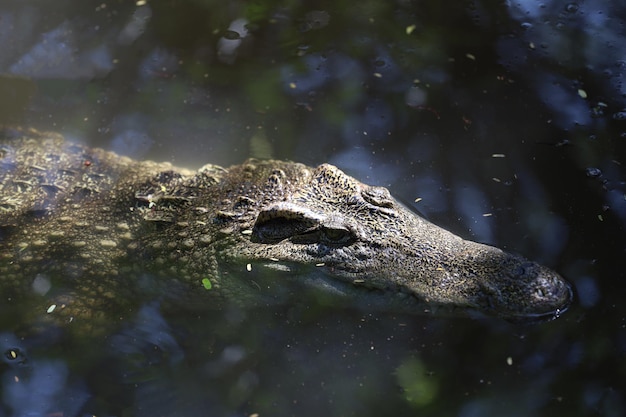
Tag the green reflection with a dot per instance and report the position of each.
(420, 388)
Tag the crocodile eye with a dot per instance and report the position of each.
(337, 235)
(283, 221)
(276, 230)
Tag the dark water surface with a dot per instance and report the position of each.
(507, 120)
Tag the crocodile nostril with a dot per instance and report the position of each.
(519, 271)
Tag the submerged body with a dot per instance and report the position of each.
(84, 229)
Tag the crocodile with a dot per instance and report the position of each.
(84, 230)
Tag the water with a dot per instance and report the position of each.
(490, 116)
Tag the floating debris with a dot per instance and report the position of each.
(206, 283)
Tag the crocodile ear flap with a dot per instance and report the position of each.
(282, 221)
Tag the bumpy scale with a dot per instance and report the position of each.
(83, 231)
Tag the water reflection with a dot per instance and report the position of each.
(37, 387)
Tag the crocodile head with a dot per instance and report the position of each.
(365, 240)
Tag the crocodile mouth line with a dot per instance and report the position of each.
(334, 279)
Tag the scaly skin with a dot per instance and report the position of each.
(89, 232)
